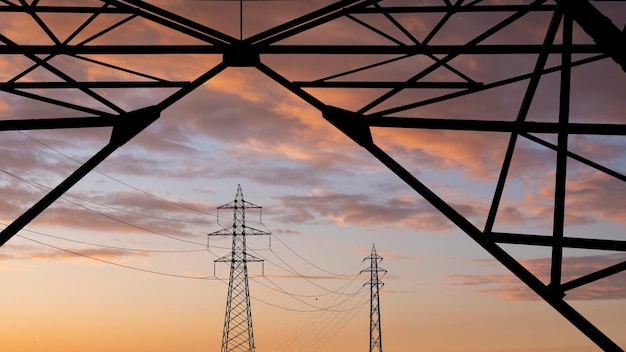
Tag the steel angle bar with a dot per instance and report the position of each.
(55, 123)
(24, 219)
(428, 37)
(484, 87)
(495, 126)
(548, 241)
(423, 49)
(125, 127)
(595, 276)
(307, 21)
(65, 9)
(411, 50)
(173, 21)
(92, 85)
(474, 42)
(387, 84)
(182, 22)
(458, 9)
(558, 222)
(521, 116)
(56, 102)
(577, 157)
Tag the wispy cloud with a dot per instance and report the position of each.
(509, 287)
(361, 210)
(33, 253)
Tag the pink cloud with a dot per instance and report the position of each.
(600, 195)
(361, 210)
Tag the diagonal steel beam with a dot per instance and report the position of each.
(595, 276)
(141, 119)
(297, 25)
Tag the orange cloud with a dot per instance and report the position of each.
(32, 253)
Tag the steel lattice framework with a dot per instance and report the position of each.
(238, 334)
(376, 334)
(576, 34)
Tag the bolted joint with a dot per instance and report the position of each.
(555, 291)
(241, 56)
(351, 124)
(128, 125)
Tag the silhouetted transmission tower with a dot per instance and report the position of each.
(376, 342)
(238, 334)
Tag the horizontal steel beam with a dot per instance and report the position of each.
(369, 10)
(64, 9)
(568, 242)
(55, 123)
(496, 126)
(451, 9)
(296, 49)
(388, 84)
(91, 85)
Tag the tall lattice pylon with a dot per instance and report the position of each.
(376, 342)
(238, 335)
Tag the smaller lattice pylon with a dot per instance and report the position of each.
(376, 342)
(238, 335)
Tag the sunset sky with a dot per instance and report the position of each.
(120, 262)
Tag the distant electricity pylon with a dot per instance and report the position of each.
(238, 334)
(376, 342)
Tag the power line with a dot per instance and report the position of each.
(295, 272)
(44, 188)
(335, 331)
(278, 288)
(272, 304)
(149, 271)
(301, 257)
(140, 214)
(317, 325)
(114, 263)
(127, 185)
(329, 308)
(315, 295)
(326, 327)
(115, 179)
(113, 247)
